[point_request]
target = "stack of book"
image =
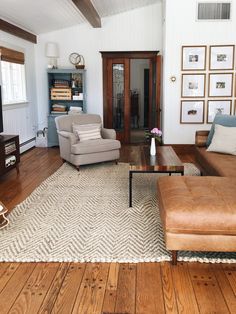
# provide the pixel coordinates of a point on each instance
(75, 110)
(59, 109)
(10, 147)
(61, 83)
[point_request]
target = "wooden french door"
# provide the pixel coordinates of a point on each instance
(117, 95)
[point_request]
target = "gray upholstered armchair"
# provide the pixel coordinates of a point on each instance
(79, 152)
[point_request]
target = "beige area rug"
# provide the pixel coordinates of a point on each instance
(84, 217)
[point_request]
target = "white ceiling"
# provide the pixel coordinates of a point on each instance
(44, 16)
(110, 7)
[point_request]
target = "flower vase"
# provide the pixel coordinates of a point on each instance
(153, 147)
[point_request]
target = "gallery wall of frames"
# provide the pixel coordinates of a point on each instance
(208, 83)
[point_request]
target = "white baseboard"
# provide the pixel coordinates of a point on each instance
(27, 145)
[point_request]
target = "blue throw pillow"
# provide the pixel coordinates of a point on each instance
(222, 119)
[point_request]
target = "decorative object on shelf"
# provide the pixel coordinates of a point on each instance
(154, 134)
(221, 57)
(75, 110)
(192, 111)
(77, 96)
(61, 93)
(193, 85)
(77, 80)
(218, 106)
(58, 108)
(52, 52)
(41, 138)
(194, 58)
(3, 220)
(77, 60)
(220, 85)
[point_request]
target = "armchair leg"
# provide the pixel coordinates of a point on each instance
(116, 162)
(174, 257)
(77, 167)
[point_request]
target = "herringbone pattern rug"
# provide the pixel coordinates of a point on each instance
(84, 217)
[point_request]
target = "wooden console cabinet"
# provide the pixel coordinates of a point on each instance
(9, 153)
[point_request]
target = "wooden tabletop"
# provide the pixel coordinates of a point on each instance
(165, 160)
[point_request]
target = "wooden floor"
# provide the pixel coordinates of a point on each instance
(144, 288)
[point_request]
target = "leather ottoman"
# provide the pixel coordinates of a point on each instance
(198, 213)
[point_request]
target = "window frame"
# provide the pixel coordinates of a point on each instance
(10, 80)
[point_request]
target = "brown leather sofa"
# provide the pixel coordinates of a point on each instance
(198, 213)
(213, 164)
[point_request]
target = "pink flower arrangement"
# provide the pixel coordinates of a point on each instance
(156, 133)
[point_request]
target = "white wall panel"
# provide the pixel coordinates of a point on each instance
(19, 122)
(182, 28)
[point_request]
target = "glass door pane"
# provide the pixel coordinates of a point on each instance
(118, 86)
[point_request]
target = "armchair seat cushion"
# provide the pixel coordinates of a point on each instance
(94, 146)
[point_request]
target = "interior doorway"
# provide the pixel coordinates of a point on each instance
(139, 99)
(131, 93)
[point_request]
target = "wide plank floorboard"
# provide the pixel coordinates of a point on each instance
(106, 288)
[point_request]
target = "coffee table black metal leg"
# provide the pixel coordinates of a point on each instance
(130, 189)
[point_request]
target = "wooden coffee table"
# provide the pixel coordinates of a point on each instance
(165, 161)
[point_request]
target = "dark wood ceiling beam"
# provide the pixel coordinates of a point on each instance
(89, 12)
(17, 31)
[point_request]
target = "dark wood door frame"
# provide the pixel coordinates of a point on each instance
(158, 89)
(155, 60)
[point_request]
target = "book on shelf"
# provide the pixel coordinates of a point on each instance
(61, 83)
(10, 147)
(58, 112)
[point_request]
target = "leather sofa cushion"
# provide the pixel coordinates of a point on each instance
(94, 146)
(198, 205)
(217, 164)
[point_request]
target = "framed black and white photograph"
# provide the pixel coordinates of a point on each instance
(192, 111)
(221, 57)
(193, 58)
(217, 106)
(193, 85)
(220, 85)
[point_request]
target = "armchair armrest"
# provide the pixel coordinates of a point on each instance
(68, 135)
(201, 138)
(108, 133)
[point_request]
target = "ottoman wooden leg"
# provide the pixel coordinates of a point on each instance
(174, 257)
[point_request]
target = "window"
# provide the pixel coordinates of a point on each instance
(13, 76)
(13, 83)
